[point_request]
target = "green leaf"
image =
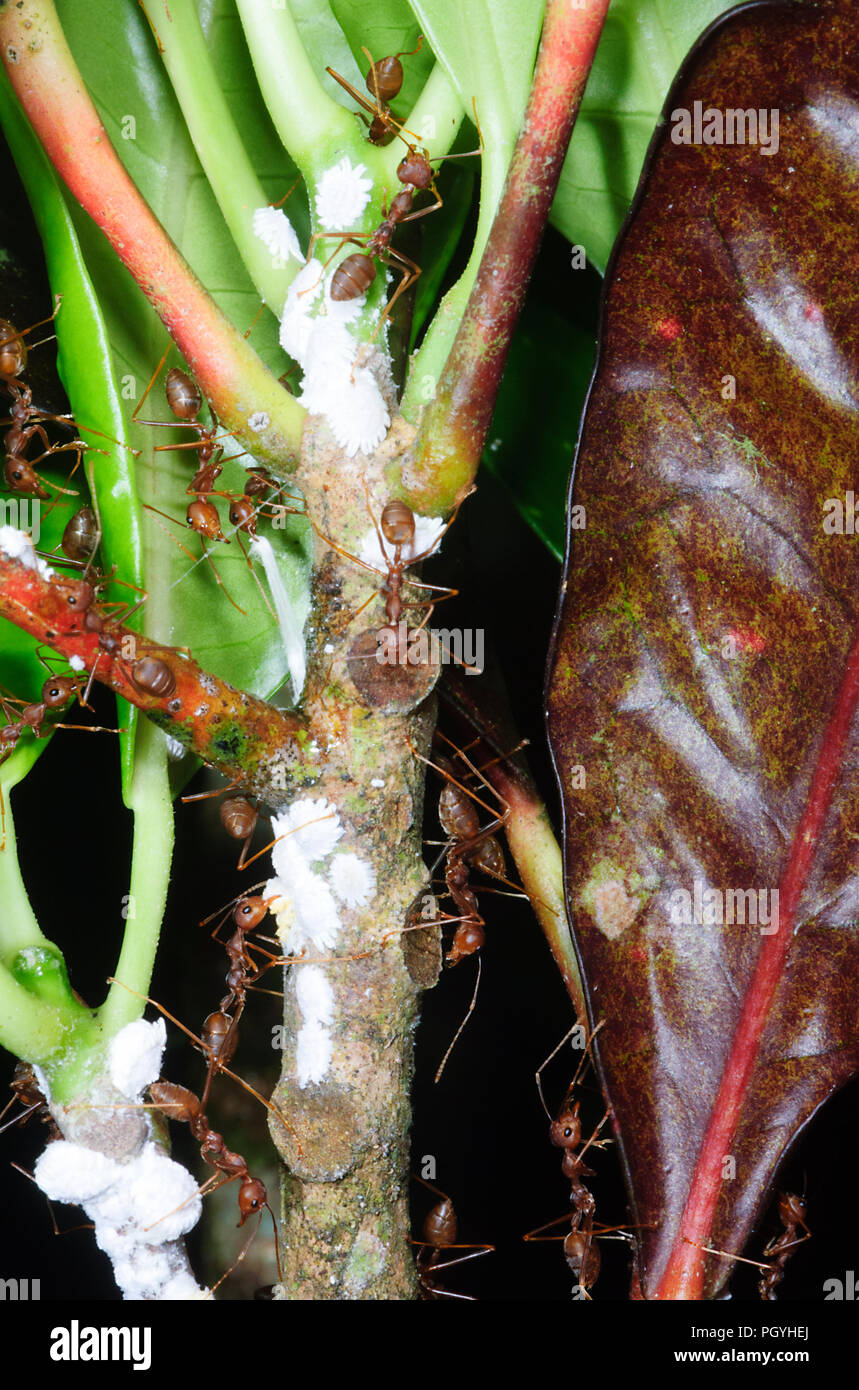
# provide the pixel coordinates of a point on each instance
(86, 368)
(550, 362)
(186, 603)
(384, 27)
(487, 48)
(642, 46)
(442, 235)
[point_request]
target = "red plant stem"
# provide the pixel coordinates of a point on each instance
(52, 93)
(684, 1274)
(245, 738)
(456, 424)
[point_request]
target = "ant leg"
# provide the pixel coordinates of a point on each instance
(424, 554)
(726, 1255)
(469, 1011)
(554, 1053)
(218, 791)
(273, 1109)
(410, 272)
(155, 373)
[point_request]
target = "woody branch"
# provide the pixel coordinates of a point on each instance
(241, 736)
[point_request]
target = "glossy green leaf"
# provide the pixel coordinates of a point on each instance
(642, 46)
(385, 27)
(86, 368)
(488, 49)
(186, 603)
(529, 449)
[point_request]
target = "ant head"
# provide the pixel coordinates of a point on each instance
(57, 691)
(242, 514)
(203, 518)
(416, 169)
(249, 912)
(77, 593)
(566, 1131)
(252, 1198)
(468, 938)
(184, 396)
(13, 350)
(21, 476)
(398, 523)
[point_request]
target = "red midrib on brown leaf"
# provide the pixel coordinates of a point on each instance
(684, 1274)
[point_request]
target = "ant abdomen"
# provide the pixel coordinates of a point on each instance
(13, 350)
(81, 534)
(398, 523)
(152, 676)
(353, 277)
(183, 394)
(238, 817)
(440, 1224)
(385, 78)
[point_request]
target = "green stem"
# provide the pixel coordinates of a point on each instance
(435, 118)
(306, 118)
(266, 419)
(150, 876)
(18, 925)
(455, 425)
(29, 1027)
(220, 149)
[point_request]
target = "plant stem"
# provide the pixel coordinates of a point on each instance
(309, 122)
(454, 428)
(242, 736)
(149, 799)
(435, 118)
(18, 925)
(29, 1027)
(246, 397)
(217, 142)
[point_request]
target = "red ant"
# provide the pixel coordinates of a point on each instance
(469, 845)
(218, 1043)
(439, 1232)
(26, 1091)
(582, 1255)
(13, 350)
(183, 1105)
(384, 82)
(27, 421)
(397, 528)
(354, 275)
(792, 1212)
(186, 401)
